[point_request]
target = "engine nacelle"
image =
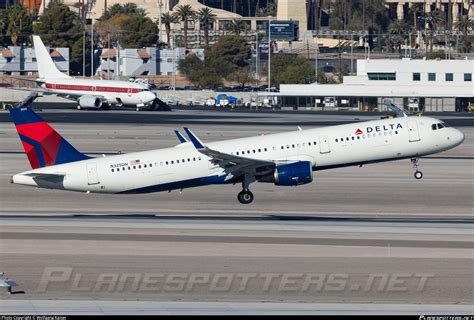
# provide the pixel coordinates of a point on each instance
(90, 102)
(291, 174)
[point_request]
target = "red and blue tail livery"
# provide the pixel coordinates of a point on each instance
(43, 145)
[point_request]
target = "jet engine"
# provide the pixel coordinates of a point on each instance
(291, 174)
(90, 102)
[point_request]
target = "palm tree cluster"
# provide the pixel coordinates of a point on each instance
(204, 16)
(186, 14)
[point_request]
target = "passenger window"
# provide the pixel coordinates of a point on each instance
(151, 165)
(177, 161)
(144, 166)
(128, 168)
(113, 170)
(140, 166)
(309, 143)
(134, 167)
(123, 168)
(172, 161)
(166, 162)
(194, 159)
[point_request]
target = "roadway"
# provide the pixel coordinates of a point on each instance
(355, 239)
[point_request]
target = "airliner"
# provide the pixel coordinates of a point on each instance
(284, 159)
(90, 93)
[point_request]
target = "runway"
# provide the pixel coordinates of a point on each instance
(353, 238)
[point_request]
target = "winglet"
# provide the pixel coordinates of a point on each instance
(194, 139)
(181, 138)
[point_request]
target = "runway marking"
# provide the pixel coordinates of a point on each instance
(237, 239)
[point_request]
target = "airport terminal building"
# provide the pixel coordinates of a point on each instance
(418, 85)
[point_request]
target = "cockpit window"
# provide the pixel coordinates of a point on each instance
(438, 125)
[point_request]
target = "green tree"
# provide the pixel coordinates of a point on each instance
(61, 27)
(128, 9)
(399, 32)
(289, 68)
(138, 32)
(224, 59)
(434, 20)
(206, 18)
(236, 27)
(242, 76)
(17, 24)
(464, 24)
(127, 24)
(229, 53)
(185, 13)
(168, 19)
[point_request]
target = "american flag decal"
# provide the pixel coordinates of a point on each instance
(134, 162)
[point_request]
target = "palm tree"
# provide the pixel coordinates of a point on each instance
(237, 27)
(464, 24)
(398, 30)
(206, 18)
(168, 19)
(434, 19)
(185, 13)
(415, 10)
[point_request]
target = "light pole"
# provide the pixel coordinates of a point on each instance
(257, 49)
(269, 55)
(92, 43)
(160, 6)
(316, 59)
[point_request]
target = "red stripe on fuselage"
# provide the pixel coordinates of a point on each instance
(80, 87)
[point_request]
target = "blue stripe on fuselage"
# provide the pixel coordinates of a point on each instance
(190, 183)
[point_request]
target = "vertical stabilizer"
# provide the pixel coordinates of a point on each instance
(46, 67)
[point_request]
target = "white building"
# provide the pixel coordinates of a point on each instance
(142, 62)
(430, 85)
(16, 60)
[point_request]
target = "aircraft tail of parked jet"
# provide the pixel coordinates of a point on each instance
(43, 145)
(46, 67)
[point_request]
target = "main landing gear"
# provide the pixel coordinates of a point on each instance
(245, 196)
(418, 174)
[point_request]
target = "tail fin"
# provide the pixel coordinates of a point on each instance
(46, 67)
(43, 145)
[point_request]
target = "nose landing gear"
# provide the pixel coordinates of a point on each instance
(418, 174)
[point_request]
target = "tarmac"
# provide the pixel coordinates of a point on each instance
(356, 240)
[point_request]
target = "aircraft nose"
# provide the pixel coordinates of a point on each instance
(459, 136)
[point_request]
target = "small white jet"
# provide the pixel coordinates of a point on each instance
(285, 159)
(90, 93)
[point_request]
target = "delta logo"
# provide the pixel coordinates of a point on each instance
(385, 127)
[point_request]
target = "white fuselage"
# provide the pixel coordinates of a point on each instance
(113, 92)
(184, 166)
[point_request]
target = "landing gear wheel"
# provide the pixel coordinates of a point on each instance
(245, 197)
(78, 107)
(418, 175)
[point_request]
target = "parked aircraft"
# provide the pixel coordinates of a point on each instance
(90, 93)
(285, 159)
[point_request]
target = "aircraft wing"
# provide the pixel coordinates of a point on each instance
(232, 164)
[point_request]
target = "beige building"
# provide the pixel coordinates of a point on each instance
(459, 7)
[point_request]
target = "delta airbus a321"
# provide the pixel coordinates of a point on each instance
(285, 159)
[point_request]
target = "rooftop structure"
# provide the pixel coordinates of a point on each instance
(438, 85)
